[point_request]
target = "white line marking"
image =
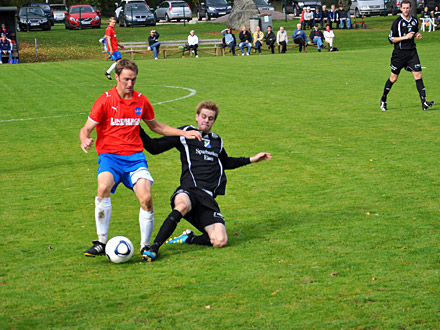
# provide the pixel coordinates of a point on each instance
(192, 92)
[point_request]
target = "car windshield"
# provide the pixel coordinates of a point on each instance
(41, 5)
(58, 7)
(84, 9)
(33, 10)
(137, 7)
(179, 4)
(260, 2)
(216, 3)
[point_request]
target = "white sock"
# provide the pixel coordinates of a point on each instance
(111, 68)
(146, 223)
(103, 213)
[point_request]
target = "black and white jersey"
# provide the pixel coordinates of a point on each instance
(400, 28)
(203, 162)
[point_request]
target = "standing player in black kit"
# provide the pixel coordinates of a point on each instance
(202, 179)
(402, 34)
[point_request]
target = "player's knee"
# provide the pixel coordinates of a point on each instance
(146, 202)
(103, 190)
(219, 242)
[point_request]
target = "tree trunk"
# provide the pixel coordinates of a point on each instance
(413, 8)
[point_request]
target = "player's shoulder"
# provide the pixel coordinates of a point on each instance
(187, 128)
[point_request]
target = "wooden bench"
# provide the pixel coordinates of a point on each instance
(169, 47)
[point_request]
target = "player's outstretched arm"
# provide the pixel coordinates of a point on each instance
(166, 130)
(84, 135)
(157, 146)
(260, 157)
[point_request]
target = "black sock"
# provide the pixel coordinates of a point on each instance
(166, 230)
(387, 89)
(421, 89)
(200, 240)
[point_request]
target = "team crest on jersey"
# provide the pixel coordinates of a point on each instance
(138, 111)
(206, 143)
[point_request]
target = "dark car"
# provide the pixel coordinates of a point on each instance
(295, 7)
(213, 8)
(263, 5)
(47, 11)
(136, 13)
(32, 18)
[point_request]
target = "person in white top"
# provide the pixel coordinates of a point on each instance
(329, 36)
(282, 39)
(192, 45)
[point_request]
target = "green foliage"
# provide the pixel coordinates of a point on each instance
(338, 231)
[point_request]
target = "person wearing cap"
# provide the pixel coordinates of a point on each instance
(316, 36)
(308, 18)
(324, 12)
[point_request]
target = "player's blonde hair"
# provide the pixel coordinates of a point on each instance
(209, 106)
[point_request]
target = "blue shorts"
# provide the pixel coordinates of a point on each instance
(125, 168)
(116, 55)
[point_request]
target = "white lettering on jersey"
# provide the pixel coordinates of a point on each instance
(125, 121)
(206, 152)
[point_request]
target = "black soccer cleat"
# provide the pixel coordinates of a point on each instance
(383, 105)
(145, 248)
(426, 105)
(109, 77)
(98, 249)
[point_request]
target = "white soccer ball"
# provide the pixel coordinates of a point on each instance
(119, 249)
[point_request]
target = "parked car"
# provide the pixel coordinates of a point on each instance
(32, 18)
(393, 6)
(169, 10)
(263, 5)
(360, 8)
(80, 16)
(136, 13)
(58, 12)
(119, 7)
(213, 8)
(295, 7)
(47, 11)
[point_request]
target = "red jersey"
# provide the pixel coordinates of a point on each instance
(110, 32)
(118, 122)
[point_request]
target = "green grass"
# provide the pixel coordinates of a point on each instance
(338, 231)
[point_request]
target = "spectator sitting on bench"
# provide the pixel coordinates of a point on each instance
(436, 15)
(300, 38)
(324, 12)
(426, 19)
(270, 39)
(329, 36)
(192, 45)
(316, 37)
(229, 40)
(308, 18)
(341, 17)
(258, 39)
(5, 31)
(332, 15)
(317, 17)
(282, 39)
(154, 43)
(5, 48)
(245, 41)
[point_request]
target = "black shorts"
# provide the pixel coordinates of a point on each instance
(204, 209)
(405, 59)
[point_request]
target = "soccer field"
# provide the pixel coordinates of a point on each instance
(339, 231)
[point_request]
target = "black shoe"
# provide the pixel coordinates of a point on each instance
(319, 50)
(145, 248)
(98, 249)
(109, 77)
(426, 105)
(383, 105)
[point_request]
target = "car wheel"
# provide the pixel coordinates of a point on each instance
(208, 17)
(155, 18)
(296, 11)
(357, 13)
(167, 18)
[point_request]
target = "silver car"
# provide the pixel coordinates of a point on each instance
(58, 12)
(169, 10)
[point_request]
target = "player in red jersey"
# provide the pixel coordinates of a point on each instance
(116, 115)
(112, 46)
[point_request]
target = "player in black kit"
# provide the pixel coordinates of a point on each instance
(202, 179)
(403, 31)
